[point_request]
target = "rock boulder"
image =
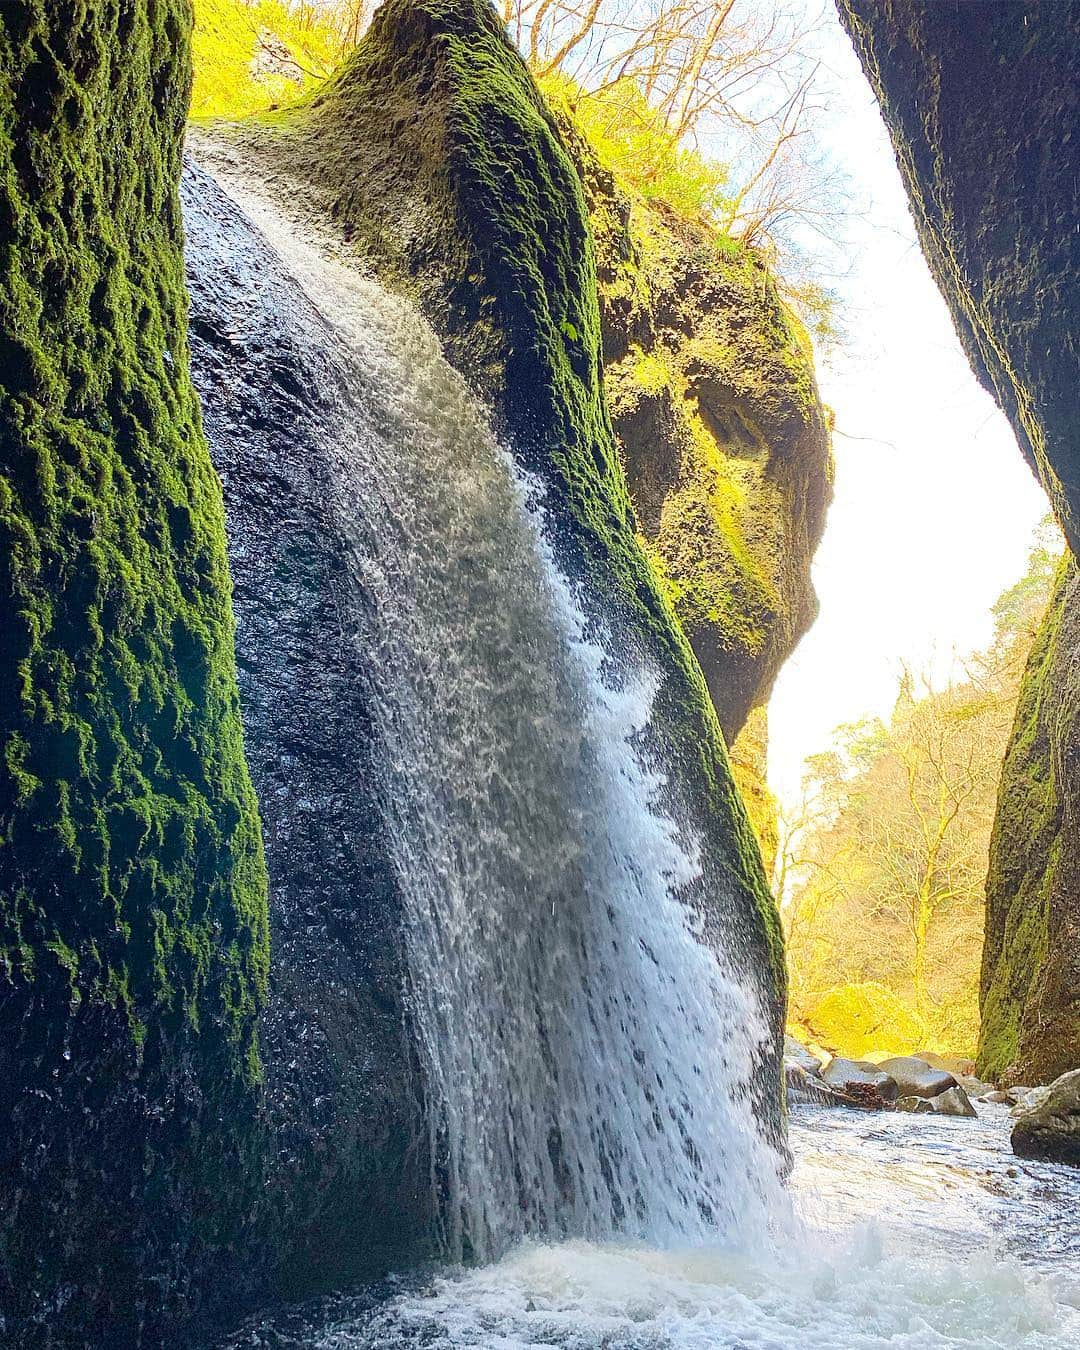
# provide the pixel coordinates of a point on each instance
(864, 1084)
(953, 1102)
(915, 1078)
(1050, 1127)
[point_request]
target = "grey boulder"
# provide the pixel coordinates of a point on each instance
(864, 1084)
(916, 1078)
(916, 1105)
(953, 1102)
(796, 1053)
(1050, 1127)
(807, 1089)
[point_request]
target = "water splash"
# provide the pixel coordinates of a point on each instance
(587, 1054)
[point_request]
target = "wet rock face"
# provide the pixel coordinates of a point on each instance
(1050, 1127)
(981, 104)
(346, 1183)
(1031, 958)
(435, 161)
(713, 401)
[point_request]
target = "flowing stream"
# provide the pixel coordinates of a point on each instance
(586, 1055)
(913, 1232)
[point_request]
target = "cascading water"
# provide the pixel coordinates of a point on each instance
(587, 1056)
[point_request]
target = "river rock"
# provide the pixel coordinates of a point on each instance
(916, 1105)
(1031, 1098)
(863, 1083)
(957, 1065)
(807, 1089)
(1050, 1127)
(915, 1077)
(953, 1101)
(975, 1088)
(797, 1053)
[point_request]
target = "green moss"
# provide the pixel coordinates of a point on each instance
(133, 919)
(125, 807)
(1029, 995)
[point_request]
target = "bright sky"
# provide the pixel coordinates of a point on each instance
(934, 508)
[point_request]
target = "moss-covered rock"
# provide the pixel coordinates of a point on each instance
(133, 932)
(1030, 987)
(710, 382)
(749, 763)
(981, 104)
(444, 169)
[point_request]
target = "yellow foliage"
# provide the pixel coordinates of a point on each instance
(633, 142)
(854, 1019)
(250, 55)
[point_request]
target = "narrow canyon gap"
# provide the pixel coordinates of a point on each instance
(981, 102)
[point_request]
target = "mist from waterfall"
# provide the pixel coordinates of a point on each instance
(586, 1054)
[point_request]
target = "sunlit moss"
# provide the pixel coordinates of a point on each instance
(1030, 1013)
(133, 909)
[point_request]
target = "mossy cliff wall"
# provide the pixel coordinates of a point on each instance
(1031, 958)
(981, 102)
(710, 382)
(442, 166)
(133, 934)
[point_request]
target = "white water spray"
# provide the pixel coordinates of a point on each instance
(587, 1055)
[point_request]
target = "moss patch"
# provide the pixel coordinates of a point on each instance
(711, 387)
(1030, 987)
(133, 938)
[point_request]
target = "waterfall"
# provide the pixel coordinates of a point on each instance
(586, 1053)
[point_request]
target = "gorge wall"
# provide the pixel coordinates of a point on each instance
(1030, 984)
(710, 382)
(133, 921)
(490, 235)
(981, 105)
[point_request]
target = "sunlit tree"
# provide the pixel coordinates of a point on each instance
(883, 863)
